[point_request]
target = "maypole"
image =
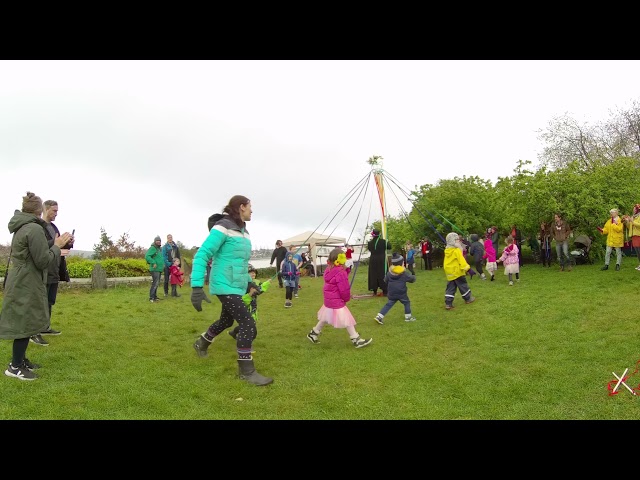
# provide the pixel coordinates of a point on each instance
(376, 169)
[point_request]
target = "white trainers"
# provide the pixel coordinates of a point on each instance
(511, 283)
(638, 267)
(379, 319)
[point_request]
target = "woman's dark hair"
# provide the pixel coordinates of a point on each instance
(233, 208)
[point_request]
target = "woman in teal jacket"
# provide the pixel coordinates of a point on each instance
(229, 245)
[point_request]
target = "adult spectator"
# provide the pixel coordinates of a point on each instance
(229, 244)
(279, 253)
(307, 264)
(614, 230)
(25, 310)
(517, 239)
(633, 228)
(544, 235)
(57, 272)
(561, 233)
(378, 247)
(170, 252)
(495, 236)
(426, 248)
(153, 256)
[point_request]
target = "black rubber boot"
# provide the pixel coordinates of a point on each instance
(247, 372)
(201, 346)
(617, 267)
(606, 267)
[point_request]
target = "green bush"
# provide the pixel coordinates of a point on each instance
(115, 267)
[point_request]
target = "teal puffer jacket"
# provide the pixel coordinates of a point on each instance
(230, 247)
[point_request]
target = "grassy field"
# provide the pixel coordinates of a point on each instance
(544, 348)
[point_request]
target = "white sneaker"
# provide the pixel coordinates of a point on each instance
(410, 319)
(638, 267)
(510, 283)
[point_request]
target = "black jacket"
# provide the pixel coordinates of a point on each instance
(57, 272)
(279, 254)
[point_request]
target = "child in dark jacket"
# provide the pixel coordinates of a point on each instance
(397, 278)
(476, 250)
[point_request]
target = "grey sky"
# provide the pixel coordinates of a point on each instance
(155, 147)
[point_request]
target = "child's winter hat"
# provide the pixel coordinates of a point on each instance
(452, 237)
(474, 237)
(397, 259)
(157, 238)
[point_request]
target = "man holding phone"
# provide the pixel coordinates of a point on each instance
(57, 272)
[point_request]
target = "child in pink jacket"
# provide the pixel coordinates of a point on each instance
(510, 260)
(337, 292)
(490, 254)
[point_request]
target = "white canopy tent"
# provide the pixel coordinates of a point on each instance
(317, 244)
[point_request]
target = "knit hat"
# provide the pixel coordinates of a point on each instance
(157, 239)
(375, 233)
(397, 259)
(473, 237)
(452, 237)
(31, 203)
(613, 210)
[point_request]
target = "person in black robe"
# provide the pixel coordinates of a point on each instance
(378, 247)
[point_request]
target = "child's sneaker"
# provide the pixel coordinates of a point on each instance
(492, 278)
(20, 372)
(471, 300)
(409, 318)
(511, 283)
(287, 304)
(483, 276)
(379, 319)
(313, 336)
(449, 307)
(361, 342)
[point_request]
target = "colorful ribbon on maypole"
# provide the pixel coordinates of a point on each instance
(376, 168)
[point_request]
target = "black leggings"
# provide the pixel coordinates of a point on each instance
(289, 293)
(233, 308)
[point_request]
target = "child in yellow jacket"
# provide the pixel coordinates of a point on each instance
(455, 267)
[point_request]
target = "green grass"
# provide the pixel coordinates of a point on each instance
(542, 349)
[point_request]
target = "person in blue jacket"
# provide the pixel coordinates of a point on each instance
(229, 245)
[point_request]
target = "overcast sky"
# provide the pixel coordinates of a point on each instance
(154, 147)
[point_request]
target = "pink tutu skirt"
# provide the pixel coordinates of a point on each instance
(337, 317)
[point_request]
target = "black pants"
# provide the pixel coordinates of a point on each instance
(167, 276)
(459, 283)
(19, 351)
(174, 290)
(52, 293)
(426, 259)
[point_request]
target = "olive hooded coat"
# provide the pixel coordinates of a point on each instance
(25, 309)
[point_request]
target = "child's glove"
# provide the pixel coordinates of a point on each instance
(265, 285)
(197, 295)
(246, 298)
(297, 274)
(471, 272)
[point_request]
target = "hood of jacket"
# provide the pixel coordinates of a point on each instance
(330, 273)
(396, 270)
(20, 219)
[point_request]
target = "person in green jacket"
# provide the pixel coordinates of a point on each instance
(25, 309)
(229, 245)
(156, 266)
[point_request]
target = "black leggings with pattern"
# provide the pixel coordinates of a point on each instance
(233, 308)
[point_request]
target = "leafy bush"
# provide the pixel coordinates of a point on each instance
(115, 267)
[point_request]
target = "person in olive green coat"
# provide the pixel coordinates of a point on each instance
(25, 309)
(156, 267)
